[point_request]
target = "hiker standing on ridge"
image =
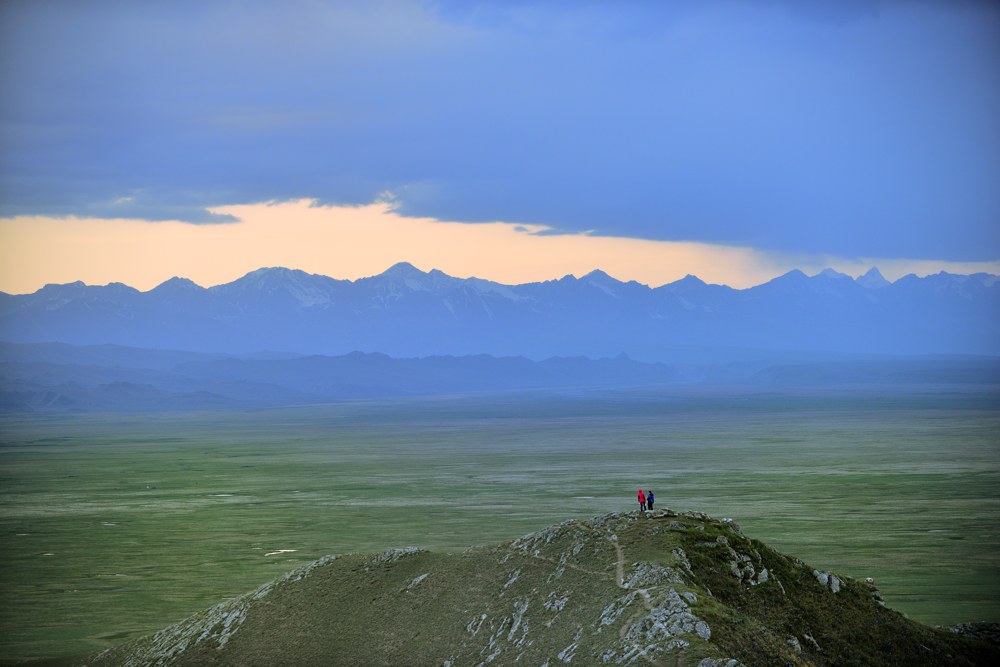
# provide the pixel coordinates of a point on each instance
(649, 499)
(642, 501)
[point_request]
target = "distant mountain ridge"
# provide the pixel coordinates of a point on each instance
(110, 378)
(406, 312)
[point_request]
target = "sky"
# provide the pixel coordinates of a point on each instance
(514, 141)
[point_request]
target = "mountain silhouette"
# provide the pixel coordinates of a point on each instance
(406, 312)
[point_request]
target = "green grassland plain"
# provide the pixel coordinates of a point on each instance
(116, 525)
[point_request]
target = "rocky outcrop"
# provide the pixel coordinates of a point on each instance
(623, 589)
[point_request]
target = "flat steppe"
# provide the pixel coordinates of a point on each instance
(117, 525)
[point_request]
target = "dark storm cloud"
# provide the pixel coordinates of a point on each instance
(853, 128)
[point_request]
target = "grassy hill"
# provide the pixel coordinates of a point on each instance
(639, 588)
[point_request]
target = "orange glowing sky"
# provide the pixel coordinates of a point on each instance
(353, 242)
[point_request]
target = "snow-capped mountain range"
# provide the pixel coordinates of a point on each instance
(406, 312)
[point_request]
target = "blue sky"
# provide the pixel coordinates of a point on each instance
(850, 129)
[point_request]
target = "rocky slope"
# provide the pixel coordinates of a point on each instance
(657, 588)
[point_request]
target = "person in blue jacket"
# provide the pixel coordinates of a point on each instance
(649, 499)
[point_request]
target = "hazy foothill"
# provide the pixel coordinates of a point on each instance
(143, 484)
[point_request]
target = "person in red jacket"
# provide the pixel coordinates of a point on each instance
(642, 500)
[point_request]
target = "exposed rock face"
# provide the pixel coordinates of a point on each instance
(988, 632)
(623, 589)
(828, 580)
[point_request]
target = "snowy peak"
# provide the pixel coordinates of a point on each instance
(402, 270)
(687, 282)
(176, 285)
(830, 274)
(488, 287)
(297, 287)
(873, 279)
(600, 277)
(275, 275)
(795, 275)
(603, 282)
(403, 276)
(57, 295)
(76, 287)
(408, 312)
(793, 280)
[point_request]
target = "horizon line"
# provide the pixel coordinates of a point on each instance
(355, 242)
(403, 264)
